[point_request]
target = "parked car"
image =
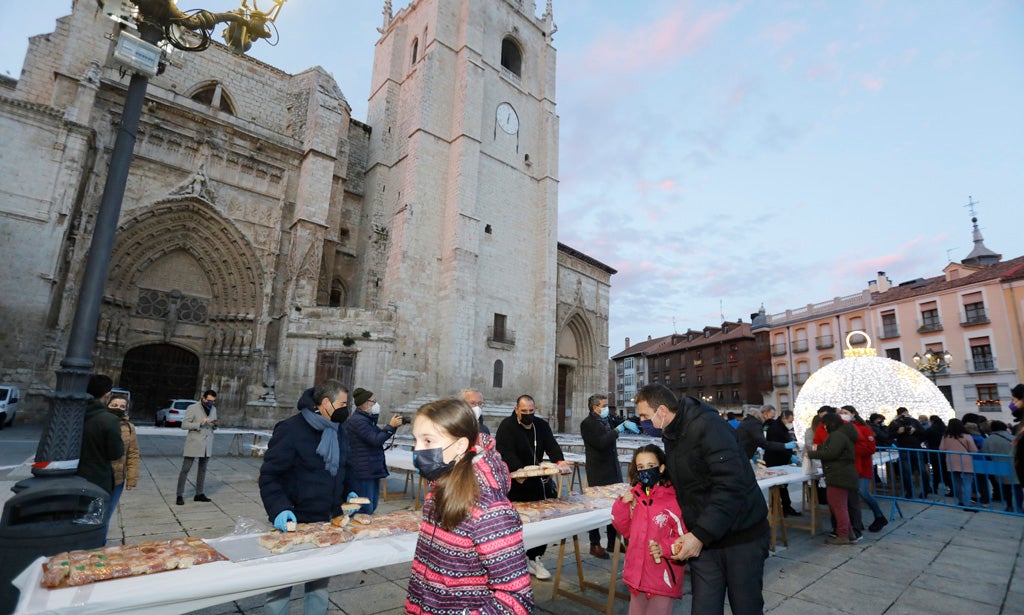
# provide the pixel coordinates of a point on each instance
(174, 413)
(9, 398)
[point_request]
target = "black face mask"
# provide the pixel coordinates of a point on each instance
(526, 419)
(649, 477)
(339, 415)
(430, 463)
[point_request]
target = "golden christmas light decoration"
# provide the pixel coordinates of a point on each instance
(870, 384)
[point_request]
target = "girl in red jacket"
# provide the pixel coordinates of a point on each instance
(648, 517)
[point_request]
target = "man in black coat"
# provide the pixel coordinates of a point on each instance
(779, 432)
(603, 466)
(726, 517)
(750, 434)
(522, 440)
(907, 432)
(306, 476)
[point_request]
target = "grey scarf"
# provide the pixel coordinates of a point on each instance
(328, 448)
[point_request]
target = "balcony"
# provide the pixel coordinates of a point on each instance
(929, 326)
(801, 377)
(975, 318)
(824, 341)
(780, 381)
(889, 332)
(799, 345)
(983, 364)
(717, 360)
(778, 350)
(501, 338)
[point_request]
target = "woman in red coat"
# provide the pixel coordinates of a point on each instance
(648, 516)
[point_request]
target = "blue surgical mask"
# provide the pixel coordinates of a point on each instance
(604, 412)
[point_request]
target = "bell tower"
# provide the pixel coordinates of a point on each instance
(462, 198)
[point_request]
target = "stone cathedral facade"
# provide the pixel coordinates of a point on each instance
(268, 240)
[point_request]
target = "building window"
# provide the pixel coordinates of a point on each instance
(735, 396)
(894, 354)
(627, 363)
(511, 56)
(825, 360)
(889, 324)
(499, 374)
(415, 50)
(335, 365)
(668, 362)
(974, 309)
(857, 324)
(930, 317)
(981, 354)
(783, 402)
(337, 297)
(988, 397)
(213, 95)
(500, 333)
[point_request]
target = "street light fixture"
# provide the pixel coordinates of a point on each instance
(932, 362)
(159, 24)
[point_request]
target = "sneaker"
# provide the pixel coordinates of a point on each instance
(836, 540)
(855, 538)
(537, 569)
(201, 497)
(833, 534)
(180, 501)
(878, 524)
(598, 552)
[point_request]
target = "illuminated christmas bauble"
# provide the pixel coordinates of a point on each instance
(870, 384)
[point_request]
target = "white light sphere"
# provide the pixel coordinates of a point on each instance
(870, 384)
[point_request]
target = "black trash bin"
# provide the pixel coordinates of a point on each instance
(51, 516)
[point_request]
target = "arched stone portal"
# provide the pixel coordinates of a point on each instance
(155, 373)
(575, 350)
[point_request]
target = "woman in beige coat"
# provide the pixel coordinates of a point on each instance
(126, 469)
(957, 440)
(200, 421)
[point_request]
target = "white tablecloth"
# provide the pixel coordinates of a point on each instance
(180, 591)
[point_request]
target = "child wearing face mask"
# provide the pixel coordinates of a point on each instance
(470, 551)
(648, 516)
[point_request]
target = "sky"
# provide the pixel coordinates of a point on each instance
(727, 155)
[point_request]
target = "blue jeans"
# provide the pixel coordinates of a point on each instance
(314, 603)
(865, 494)
(114, 497)
(368, 488)
(963, 487)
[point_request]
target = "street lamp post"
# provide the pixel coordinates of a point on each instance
(38, 521)
(932, 362)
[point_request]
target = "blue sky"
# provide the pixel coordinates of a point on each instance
(722, 155)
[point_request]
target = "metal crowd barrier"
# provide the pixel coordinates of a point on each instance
(924, 475)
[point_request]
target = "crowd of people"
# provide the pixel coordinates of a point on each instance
(692, 505)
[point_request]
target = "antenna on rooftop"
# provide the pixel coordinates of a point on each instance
(948, 257)
(721, 311)
(674, 325)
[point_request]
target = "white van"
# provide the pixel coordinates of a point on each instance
(9, 398)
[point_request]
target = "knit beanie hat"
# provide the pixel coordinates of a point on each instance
(359, 396)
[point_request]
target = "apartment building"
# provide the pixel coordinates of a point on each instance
(974, 312)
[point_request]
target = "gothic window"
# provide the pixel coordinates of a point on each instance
(160, 305)
(415, 50)
(499, 372)
(337, 298)
(214, 96)
(511, 56)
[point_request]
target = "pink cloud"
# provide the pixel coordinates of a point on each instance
(672, 36)
(665, 185)
(872, 83)
(819, 71)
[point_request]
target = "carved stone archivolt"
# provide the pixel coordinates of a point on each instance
(233, 271)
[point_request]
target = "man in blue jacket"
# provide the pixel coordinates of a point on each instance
(367, 447)
(305, 477)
